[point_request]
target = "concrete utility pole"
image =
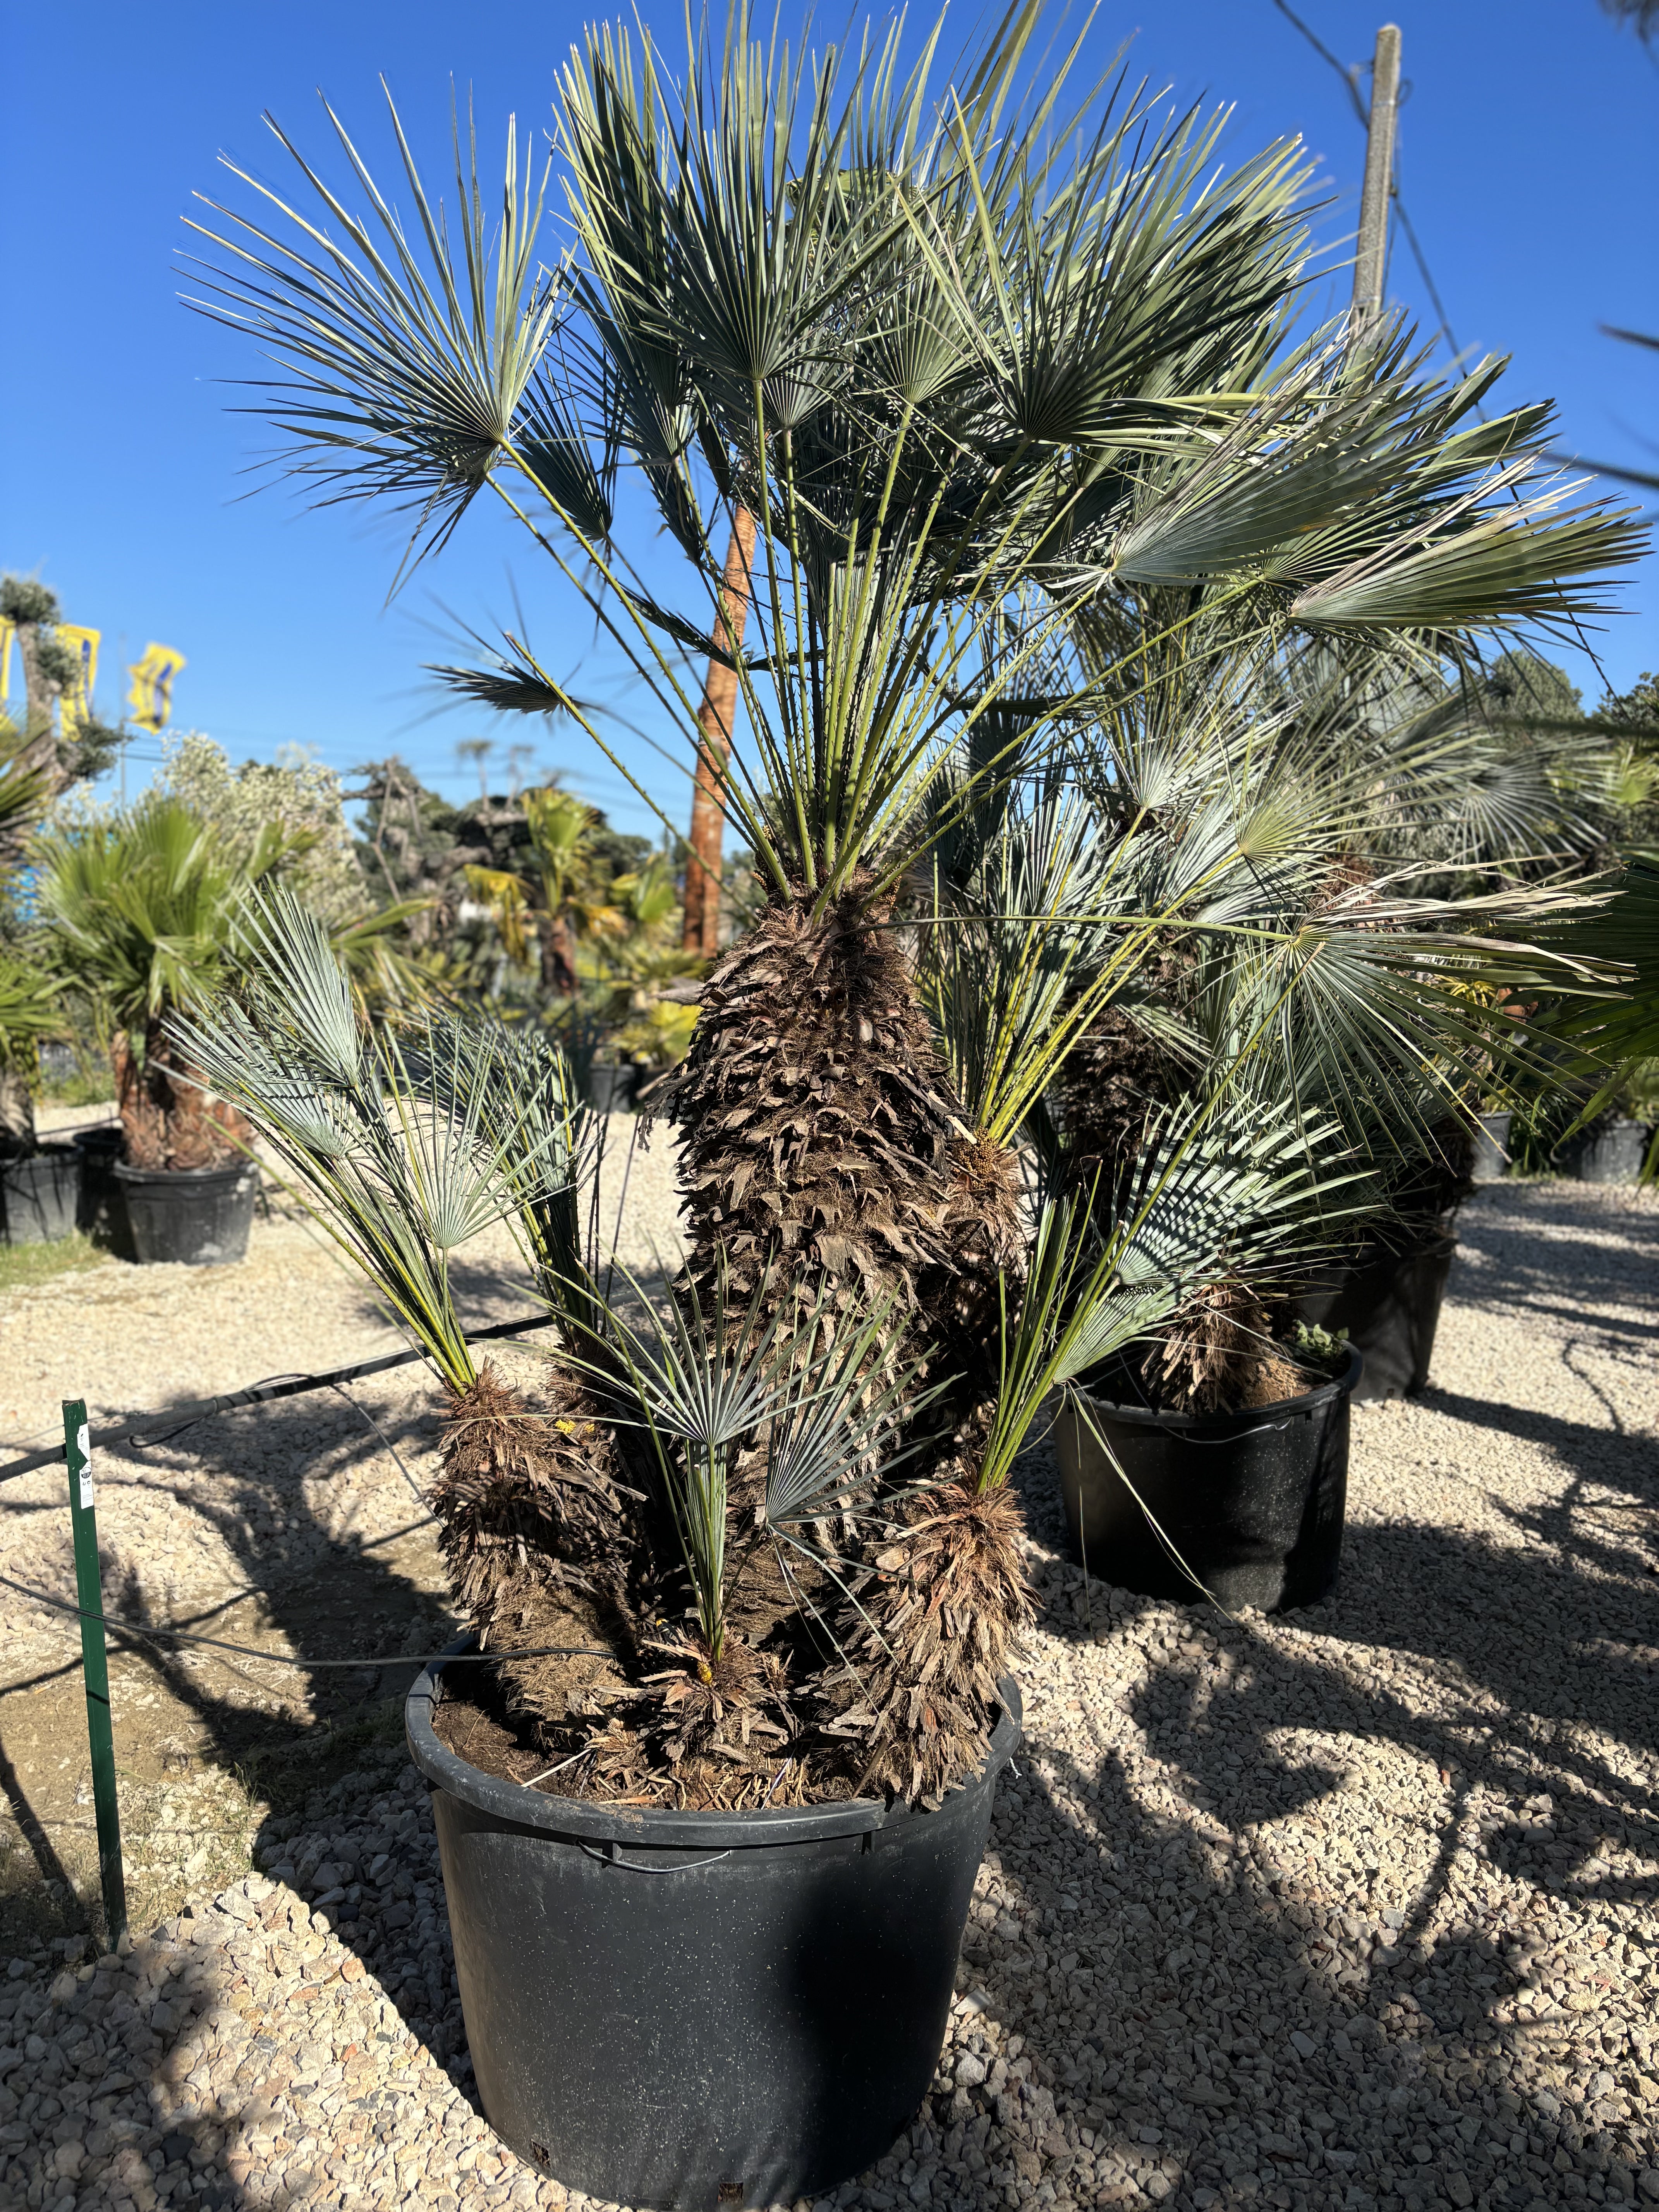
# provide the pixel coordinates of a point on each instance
(1371, 255)
(715, 718)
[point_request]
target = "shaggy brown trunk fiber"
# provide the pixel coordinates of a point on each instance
(819, 1129)
(1115, 1077)
(944, 1616)
(1217, 1356)
(167, 1121)
(536, 1521)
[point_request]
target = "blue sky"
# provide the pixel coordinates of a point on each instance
(1529, 165)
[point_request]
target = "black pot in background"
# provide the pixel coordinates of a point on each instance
(1611, 1152)
(1253, 1502)
(695, 2009)
(1491, 1162)
(40, 1195)
(1388, 1305)
(611, 1085)
(194, 1217)
(102, 1213)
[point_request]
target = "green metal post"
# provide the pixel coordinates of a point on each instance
(94, 1666)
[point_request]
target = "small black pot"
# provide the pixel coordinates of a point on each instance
(193, 1216)
(612, 1087)
(1613, 1152)
(40, 1195)
(1251, 1503)
(1388, 1304)
(697, 2009)
(1490, 1162)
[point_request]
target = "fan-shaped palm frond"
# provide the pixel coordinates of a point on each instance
(766, 255)
(397, 1154)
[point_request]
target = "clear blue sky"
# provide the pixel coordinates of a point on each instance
(1530, 163)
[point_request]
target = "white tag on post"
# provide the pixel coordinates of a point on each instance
(83, 1445)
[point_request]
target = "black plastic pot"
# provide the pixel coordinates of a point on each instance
(698, 2010)
(1252, 1502)
(194, 1217)
(40, 1195)
(102, 1210)
(1613, 1152)
(1388, 1305)
(1491, 1162)
(612, 1087)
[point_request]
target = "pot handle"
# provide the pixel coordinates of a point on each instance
(612, 1857)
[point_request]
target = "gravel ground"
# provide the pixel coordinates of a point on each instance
(1352, 1909)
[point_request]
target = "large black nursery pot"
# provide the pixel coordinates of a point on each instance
(194, 1217)
(40, 1195)
(612, 1086)
(102, 1210)
(1388, 1305)
(1609, 1152)
(1245, 1508)
(700, 2009)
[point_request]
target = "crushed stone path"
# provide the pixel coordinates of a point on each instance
(1352, 1909)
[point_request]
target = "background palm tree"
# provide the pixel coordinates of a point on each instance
(141, 910)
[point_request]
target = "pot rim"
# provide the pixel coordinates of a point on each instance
(197, 1176)
(649, 1826)
(1250, 1417)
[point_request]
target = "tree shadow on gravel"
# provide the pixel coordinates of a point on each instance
(300, 1580)
(1589, 1255)
(1269, 1990)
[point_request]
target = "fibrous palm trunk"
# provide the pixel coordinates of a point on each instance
(168, 1121)
(819, 1133)
(823, 1146)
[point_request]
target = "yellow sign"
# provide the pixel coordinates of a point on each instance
(77, 692)
(150, 698)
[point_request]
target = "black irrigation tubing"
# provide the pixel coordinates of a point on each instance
(156, 1428)
(282, 1659)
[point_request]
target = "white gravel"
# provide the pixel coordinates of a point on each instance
(1350, 1908)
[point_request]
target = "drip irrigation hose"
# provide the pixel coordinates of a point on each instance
(148, 1429)
(282, 1659)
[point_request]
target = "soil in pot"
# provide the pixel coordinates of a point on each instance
(1246, 1507)
(192, 1217)
(699, 2009)
(1387, 1304)
(40, 1195)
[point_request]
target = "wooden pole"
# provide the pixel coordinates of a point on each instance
(1371, 254)
(716, 719)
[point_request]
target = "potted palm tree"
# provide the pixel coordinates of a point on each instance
(140, 910)
(745, 1570)
(1236, 795)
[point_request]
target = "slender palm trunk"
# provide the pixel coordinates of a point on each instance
(715, 720)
